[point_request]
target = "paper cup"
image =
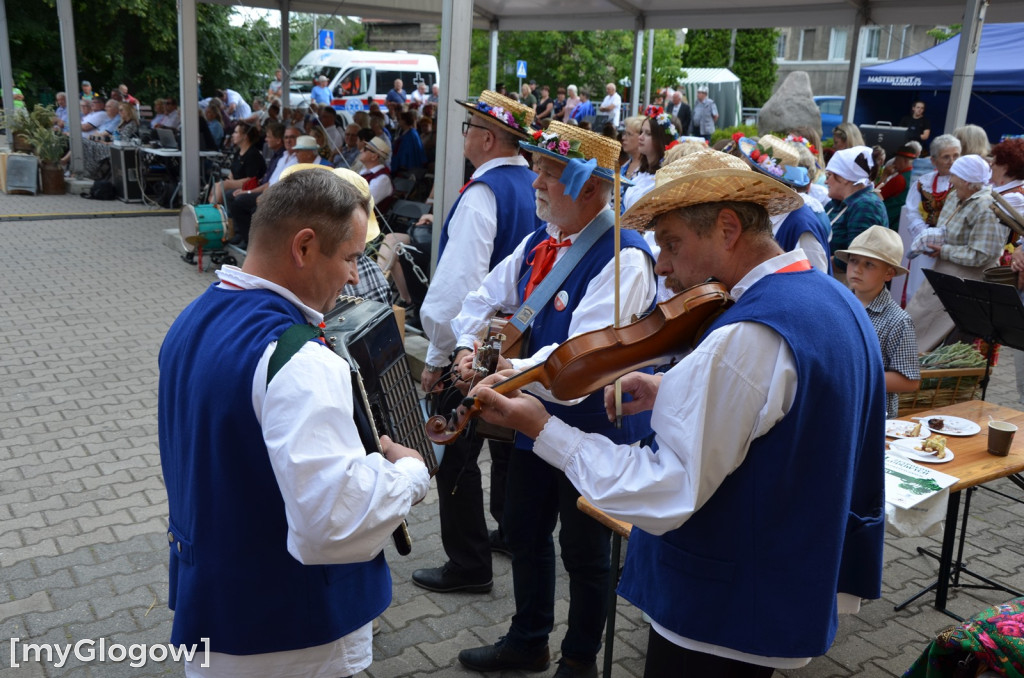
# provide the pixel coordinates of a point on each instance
(1000, 436)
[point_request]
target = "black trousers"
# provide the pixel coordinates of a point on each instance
(464, 532)
(240, 210)
(668, 660)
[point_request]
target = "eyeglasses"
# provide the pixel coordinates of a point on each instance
(467, 124)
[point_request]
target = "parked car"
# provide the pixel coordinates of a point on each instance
(831, 108)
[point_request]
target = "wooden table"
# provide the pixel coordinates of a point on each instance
(973, 465)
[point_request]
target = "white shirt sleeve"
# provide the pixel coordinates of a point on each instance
(708, 410)
(911, 214)
(461, 269)
(341, 503)
(816, 254)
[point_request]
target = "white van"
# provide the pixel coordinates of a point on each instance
(357, 78)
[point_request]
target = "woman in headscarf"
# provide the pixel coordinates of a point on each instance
(972, 239)
(921, 210)
(854, 206)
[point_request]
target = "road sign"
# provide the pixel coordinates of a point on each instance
(520, 69)
(326, 39)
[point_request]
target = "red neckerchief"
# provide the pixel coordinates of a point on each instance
(541, 259)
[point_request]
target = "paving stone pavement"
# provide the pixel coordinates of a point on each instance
(85, 305)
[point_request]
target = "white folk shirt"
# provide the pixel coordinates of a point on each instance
(499, 292)
(341, 503)
(465, 262)
(699, 443)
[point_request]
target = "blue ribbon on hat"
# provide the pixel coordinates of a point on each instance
(575, 174)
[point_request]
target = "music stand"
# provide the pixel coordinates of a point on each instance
(991, 311)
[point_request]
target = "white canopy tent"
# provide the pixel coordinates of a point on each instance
(458, 17)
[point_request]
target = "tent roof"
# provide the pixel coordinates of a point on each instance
(708, 75)
(999, 67)
(534, 15)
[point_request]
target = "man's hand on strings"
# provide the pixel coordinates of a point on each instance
(640, 386)
(515, 409)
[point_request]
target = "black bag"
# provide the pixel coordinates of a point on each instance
(101, 190)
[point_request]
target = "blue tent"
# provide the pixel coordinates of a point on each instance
(887, 91)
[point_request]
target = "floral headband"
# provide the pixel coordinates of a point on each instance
(797, 139)
(577, 170)
(513, 120)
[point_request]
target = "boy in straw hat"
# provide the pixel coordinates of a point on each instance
(575, 175)
(873, 259)
(764, 499)
(492, 215)
(252, 457)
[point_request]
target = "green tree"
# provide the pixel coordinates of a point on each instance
(753, 62)
(944, 33)
(587, 59)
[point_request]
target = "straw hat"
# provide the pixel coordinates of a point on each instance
(381, 147)
(306, 143)
(709, 176)
(877, 242)
(372, 227)
(578, 143)
(508, 113)
(783, 162)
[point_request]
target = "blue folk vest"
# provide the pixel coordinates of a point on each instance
(804, 220)
(757, 568)
(512, 186)
(232, 579)
(551, 326)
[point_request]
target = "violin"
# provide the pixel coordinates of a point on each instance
(590, 361)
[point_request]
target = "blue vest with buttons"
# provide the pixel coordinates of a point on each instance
(758, 566)
(512, 186)
(232, 579)
(551, 326)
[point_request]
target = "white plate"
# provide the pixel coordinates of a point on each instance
(906, 448)
(953, 426)
(894, 428)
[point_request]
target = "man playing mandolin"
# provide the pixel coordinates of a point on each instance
(575, 174)
(761, 514)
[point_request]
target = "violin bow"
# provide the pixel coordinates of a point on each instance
(617, 319)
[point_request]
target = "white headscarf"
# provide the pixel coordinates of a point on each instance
(972, 168)
(844, 163)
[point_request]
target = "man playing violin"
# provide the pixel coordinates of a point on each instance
(761, 514)
(575, 174)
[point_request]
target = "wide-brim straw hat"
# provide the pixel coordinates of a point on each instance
(507, 113)
(372, 227)
(709, 176)
(591, 145)
(381, 147)
(877, 242)
(787, 160)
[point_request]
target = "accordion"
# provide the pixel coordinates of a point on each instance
(365, 333)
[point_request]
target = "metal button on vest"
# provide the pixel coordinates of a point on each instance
(179, 547)
(170, 537)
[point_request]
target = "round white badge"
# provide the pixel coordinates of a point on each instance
(561, 300)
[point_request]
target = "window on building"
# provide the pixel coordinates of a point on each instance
(806, 50)
(780, 45)
(837, 44)
(872, 42)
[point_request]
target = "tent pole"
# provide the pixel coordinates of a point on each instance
(638, 52)
(650, 67)
(492, 66)
(456, 36)
(188, 101)
(966, 60)
(286, 55)
(853, 75)
(72, 85)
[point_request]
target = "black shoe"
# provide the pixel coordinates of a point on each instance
(501, 657)
(498, 544)
(446, 579)
(575, 670)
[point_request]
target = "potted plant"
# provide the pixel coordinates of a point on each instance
(49, 146)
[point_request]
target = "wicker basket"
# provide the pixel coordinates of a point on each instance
(943, 387)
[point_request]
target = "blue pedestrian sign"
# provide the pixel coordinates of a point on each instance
(520, 69)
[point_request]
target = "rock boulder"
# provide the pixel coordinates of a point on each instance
(791, 106)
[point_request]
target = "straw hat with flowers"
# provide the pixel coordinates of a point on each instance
(568, 142)
(709, 176)
(509, 113)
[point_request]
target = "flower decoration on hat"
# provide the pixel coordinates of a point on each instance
(568, 148)
(510, 118)
(796, 138)
(766, 160)
(653, 111)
